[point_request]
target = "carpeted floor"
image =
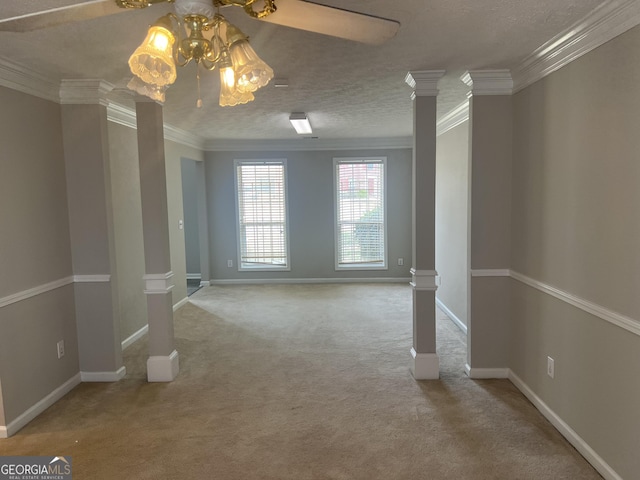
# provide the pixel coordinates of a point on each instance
(301, 382)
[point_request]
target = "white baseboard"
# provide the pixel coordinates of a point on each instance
(567, 432)
(260, 281)
(103, 376)
(193, 276)
(135, 337)
(486, 373)
(181, 303)
(163, 368)
(425, 366)
(205, 283)
(452, 316)
(39, 407)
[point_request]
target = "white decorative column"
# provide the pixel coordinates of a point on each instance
(88, 175)
(490, 124)
(424, 364)
(163, 364)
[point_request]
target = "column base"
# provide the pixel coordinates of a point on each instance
(425, 366)
(163, 368)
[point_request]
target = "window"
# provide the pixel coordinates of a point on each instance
(360, 213)
(262, 215)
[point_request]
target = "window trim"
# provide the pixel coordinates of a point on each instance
(360, 266)
(262, 268)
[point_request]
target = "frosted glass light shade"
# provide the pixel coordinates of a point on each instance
(154, 92)
(251, 71)
(153, 60)
(230, 96)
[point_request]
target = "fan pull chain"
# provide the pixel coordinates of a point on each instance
(199, 102)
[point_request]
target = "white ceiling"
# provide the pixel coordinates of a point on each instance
(348, 90)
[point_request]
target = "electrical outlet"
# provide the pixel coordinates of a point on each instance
(229, 263)
(61, 349)
(551, 367)
(400, 262)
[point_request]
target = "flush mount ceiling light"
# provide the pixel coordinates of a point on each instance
(301, 123)
(197, 32)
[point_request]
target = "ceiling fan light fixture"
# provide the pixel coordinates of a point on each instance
(154, 92)
(153, 60)
(252, 72)
(300, 122)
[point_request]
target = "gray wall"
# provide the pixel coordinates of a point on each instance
(491, 140)
(127, 218)
(311, 214)
(452, 219)
(576, 226)
(174, 153)
(190, 205)
(35, 246)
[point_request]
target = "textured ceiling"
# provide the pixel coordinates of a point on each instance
(348, 90)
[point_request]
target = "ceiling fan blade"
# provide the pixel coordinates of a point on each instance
(332, 21)
(58, 16)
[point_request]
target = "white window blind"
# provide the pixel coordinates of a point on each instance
(360, 213)
(262, 218)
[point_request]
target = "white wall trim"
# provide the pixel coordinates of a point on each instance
(567, 432)
(181, 303)
(457, 116)
(485, 373)
(158, 283)
(84, 92)
(607, 21)
(488, 82)
(604, 313)
(32, 292)
(452, 316)
(193, 276)
(425, 366)
(490, 272)
(424, 82)
(205, 283)
(183, 137)
(23, 79)
(126, 343)
(424, 279)
(91, 278)
(163, 368)
(307, 144)
(103, 376)
(39, 407)
(285, 281)
(121, 115)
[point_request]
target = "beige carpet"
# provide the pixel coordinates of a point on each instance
(301, 382)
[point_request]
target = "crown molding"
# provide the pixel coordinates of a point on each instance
(308, 144)
(455, 117)
(23, 79)
(609, 20)
(183, 137)
(85, 92)
(122, 115)
(424, 82)
(488, 82)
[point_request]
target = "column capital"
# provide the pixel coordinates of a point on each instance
(424, 279)
(488, 82)
(424, 82)
(84, 92)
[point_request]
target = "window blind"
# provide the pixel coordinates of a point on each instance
(360, 198)
(262, 214)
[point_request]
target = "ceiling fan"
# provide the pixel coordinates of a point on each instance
(300, 14)
(198, 32)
